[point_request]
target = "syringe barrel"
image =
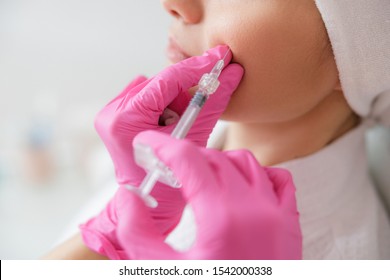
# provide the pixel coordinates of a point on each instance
(188, 118)
(207, 85)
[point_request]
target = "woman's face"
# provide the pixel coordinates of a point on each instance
(282, 45)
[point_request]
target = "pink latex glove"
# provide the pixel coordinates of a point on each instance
(242, 210)
(138, 108)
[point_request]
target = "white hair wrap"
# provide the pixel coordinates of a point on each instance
(359, 31)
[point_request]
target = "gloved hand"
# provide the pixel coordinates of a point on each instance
(242, 210)
(140, 107)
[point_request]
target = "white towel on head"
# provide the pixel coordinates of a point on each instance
(359, 31)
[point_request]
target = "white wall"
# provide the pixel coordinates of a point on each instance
(60, 62)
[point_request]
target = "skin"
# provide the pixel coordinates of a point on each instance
(73, 249)
(289, 103)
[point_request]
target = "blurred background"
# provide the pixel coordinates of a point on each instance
(60, 62)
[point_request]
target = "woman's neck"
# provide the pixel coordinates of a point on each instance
(274, 143)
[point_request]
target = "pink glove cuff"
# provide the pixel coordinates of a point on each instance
(97, 242)
(99, 233)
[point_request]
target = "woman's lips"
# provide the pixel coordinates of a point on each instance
(174, 52)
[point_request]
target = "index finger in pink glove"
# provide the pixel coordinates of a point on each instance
(170, 87)
(179, 77)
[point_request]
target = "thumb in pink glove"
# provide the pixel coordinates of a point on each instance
(242, 210)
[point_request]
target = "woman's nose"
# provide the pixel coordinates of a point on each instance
(189, 11)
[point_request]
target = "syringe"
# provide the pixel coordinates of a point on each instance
(208, 84)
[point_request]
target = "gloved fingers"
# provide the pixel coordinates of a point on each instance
(137, 232)
(187, 161)
(105, 117)
(178, 78)
(229, 79)
(216, 104)
(180, 103)
(170, 207)
(255, 175)
(197, 172)
(284, 188)
(187, 73)
(168, 117)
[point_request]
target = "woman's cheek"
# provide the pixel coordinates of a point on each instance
(257, 49)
